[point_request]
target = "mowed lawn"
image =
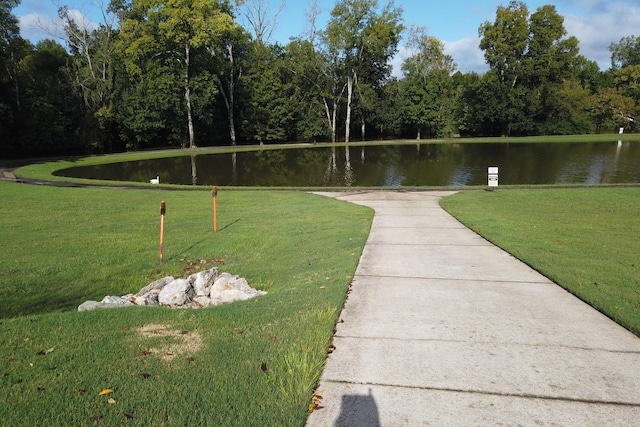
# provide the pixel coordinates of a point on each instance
(251, 363)
(247, 363)
(585, 239)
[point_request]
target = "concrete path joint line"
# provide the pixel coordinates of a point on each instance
(490, 393)
(430, 245)
(449, 279)
(480, 342)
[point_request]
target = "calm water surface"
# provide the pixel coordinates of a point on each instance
(389, 165)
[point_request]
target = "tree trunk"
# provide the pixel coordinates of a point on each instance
(194, 171)
(331, 117)
(187, 96)
(230, 99)
(363, 129)
(350, 82)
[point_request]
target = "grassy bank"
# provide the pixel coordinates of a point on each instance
(248, 363)
(586, 240)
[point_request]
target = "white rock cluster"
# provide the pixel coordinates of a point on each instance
(203, 289)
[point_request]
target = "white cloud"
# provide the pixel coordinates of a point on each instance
(602, 24)
(36, 27)
(466, 54)
(398, 59)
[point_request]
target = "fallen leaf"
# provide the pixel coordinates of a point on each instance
(105, 391)
(27, 339)
(315, 402)
(41, 389)
(111, 401)
(144, 353)
(145, 375)
(81, 390)
(190, 359)
(263, 367)
(44, 352)
(128, 416)
(273, 338)
(184, 332)
(166, 416)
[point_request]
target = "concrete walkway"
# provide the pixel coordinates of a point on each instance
(442, 328)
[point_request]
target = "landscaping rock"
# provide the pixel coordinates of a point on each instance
(228, 288)
(92, 305)
(123, 300)
(203, 280)
(149, 298)
(176, 293)
(202, 301)
(157, 285)
(203, 289)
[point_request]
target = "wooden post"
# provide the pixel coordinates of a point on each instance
(214, 194)
(163, 210)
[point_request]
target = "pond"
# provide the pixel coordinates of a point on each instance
(394, 165)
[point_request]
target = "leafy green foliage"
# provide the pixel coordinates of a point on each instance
(185, 73)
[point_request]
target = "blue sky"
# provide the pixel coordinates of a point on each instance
(596, 23)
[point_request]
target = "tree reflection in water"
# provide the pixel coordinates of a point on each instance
(444, 164)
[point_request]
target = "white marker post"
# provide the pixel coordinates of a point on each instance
(493, 176)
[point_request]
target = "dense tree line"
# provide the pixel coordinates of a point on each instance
(186, 73)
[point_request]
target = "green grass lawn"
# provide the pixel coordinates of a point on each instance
(587, 240)
(247, 363)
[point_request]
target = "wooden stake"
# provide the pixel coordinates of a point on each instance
(214, 194)
(163, 210)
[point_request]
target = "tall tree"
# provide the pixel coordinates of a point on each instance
(157, 34)
(504, 42)
(363, 39)
(259, 18)
(529, 59)
(54, 123)
(426, 89)
(93, 73)
(625, 52)
(306, 68)
(269, 113)
(230, 57)
(13, 49)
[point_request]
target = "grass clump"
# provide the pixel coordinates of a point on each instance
(248, 363)
(584, 239)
